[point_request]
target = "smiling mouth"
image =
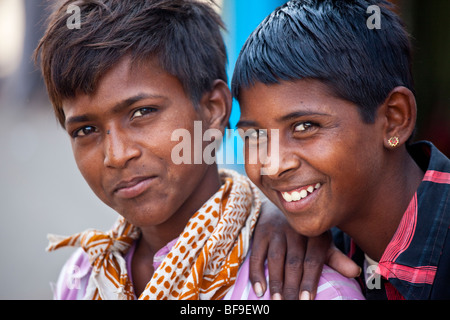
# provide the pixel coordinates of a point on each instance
(300, 193)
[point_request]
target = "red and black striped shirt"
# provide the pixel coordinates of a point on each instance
(416, 263)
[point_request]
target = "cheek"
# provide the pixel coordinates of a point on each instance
(351, 168)
(253, 166)
(253, 171)
(86, 163)
(90, 165)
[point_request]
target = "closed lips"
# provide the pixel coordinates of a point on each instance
(130, 184)
(133, 188)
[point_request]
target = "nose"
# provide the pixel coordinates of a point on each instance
(119, 149)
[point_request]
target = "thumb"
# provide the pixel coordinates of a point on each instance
(343, 264)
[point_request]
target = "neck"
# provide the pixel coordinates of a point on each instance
(378, 221)
(153, 238)
(157, 236)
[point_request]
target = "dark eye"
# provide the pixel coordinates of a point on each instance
(87, 130)
(142, 112)
(262, 134)
(303, 126)
(256, 136)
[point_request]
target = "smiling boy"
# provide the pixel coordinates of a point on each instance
(134, 73)
(340, 96)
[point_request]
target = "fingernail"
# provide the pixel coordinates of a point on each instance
(360, 271)
(305, 295)
(276, 296)
(258, 289)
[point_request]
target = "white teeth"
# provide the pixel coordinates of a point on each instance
(287, 197)
(296, 195)
(303, 194)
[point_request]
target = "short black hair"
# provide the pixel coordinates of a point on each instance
(329, 40)
(185, 35)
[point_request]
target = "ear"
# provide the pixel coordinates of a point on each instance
(216, 105)
(400, 112)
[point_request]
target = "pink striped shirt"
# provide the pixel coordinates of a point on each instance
(73, 279)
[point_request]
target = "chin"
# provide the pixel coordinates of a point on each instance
(308, 228)
(143, 216)
(310, 233)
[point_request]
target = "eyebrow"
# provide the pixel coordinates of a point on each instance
(298, 114)
(289, 116)
(118, 108)
(246, 123)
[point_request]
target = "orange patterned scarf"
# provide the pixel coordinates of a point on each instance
(203, 263)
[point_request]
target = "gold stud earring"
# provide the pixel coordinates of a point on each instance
(394, 141)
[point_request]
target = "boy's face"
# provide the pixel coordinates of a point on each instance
(121, 139)
(328, 157)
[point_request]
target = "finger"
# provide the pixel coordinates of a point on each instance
(293, 271)
(257, 267)
(312, 270)
(316, 255)
(275, 261)
(263, 234)
(343, 264)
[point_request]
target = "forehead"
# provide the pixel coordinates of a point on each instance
(125, 80)
(273, 98)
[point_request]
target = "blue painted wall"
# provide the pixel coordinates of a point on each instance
(241, 17)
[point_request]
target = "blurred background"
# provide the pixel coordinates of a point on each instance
(41, 190)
